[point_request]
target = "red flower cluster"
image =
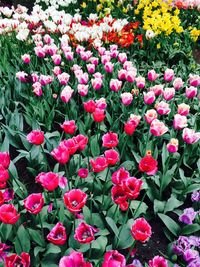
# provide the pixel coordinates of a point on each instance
(16, 260)
(98, 112)
(75, 259)
(125, 188)
(141, 230)
(113, 258)
(148, 164)
(8, 214)
(4, 164)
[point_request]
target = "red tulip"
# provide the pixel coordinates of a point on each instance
(48, 180)
(2, 185)
(148, 164)
(61, 154)
(84, 233)
(118, 195)
(34, 203)
(112, 156)
(141, 230)
(57, 236)
(1, 198)
(83, 173)
(113, 258)
(89, 106)
(132, 187)
(129, 128)
(4, 174)
(110, 140)
(69, 127)
(8, 214)
(81, 141)
(70, 145)
(14, 260)
(4, 159)
(98, 115)
(35, 137)
(99, 164)
(158, 261)
(119, 176)
(75, 259)
(75, 200)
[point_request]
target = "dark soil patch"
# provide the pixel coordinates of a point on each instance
(196, 54)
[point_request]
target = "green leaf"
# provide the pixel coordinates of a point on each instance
(100, 244)
(95, 150)
(165, 155)
(136, 156)
(36, 237)
(5, 231)
(52, 249)
(172, 204)
(24, 239)
(112, 225)
(158, 206)
(190, 229)
(167, 177)
(191, 188)
(173, 227)
(125, 237)
(142, 209)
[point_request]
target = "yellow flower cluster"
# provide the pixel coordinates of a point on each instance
(159, 16)
(194, 33)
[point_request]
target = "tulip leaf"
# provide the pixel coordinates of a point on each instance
(190, 229)
(112, 225)
(36, 237)
(22, 241)
(125, 237)
(173, 227)
(95, 150)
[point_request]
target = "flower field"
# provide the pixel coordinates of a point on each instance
(99, 134)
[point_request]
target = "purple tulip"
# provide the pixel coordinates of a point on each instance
(190, 255)
(195, 197)
(188, 216)
(182, 245)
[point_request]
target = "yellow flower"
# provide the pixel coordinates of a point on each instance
(83, 5)
(158, 46)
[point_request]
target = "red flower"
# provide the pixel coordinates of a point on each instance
(141, 230)
(113, 258)
(4, 159)
(119, 176)
(57, 236)
(99, 164)
(61, 154)
(84, 233)
(89, 106)
(83, 173)
(132, 187)
(129, 128)
(14, 260)
(35, 137)
(112, 156)
(34, 203)
(70, 145)
(75, 259)
(4, 174)
(148, 164)
(118, 195)
(1, 198)
(158, 261)
(98, 115)
(8, 214)
(69, 127)
(2, 185)
(48, 180)
(81, 141)
(110, 140)
(75, 200)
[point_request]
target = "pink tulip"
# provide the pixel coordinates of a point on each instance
(158, 128)
(168, 93)
(126, 98)
(122, 57)
(152, 75)
(140, 82)
(115, 85)
(178, 83)
(105, 59)
(109, 67)
(179, 122)
(194, 80)
(149, 97)
(83, 78)
(26, 58)
(168, 75)
(122, 74)
(150, 115)
(172, 146)
(82, 89)
(37, 89)
(56, 59)
(94, 60)
(191, 92)
(189, 136)
(63, 78)
(66, 94)
(57, 70)
(91, 68)
(183, 109)
(97, 83)
(130, 75)
(163, 108)
(157, 89)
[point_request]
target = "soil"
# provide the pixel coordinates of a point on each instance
(196, 54)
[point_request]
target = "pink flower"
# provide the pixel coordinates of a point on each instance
(57, 235)
(62, 182)
(84, 233)
(183, 109)
(158, 128)
(140, 82)
(46, 79)
(94, 60)
(101, 103)
(168, 75)
(168, 93)
(49, 180)
(128, 65)
(91, 68)
(109, 67)
(82, 89)
(63, 78)
(83, 78)
(99, 164)
(115, 85)
(66, 94)
(194, 80)
(112, 156)
(35, 137)
(69, 55)
(157, 89)
(110, 140)
(158, 261)
(127, 98)
(150, 115)
(172, 146)
(105, 59)
(4, 159)
(22, 76)
(163, 108)
(97, 83)
(83, 173)
(57, 70)
(130, 75)
(122, 57)
(191, 92)
(98, 115)
(69, 127)
(61, 154)
(178, 83)
(149, 97)
(40, 52)
(75, 259)
(26, 58)
(56, 59)
(152, 75)
(122, 74)
(89, 106)
(135, 119)
(120, 176)
(71, 145)
(189, 136)
(113, 258)
(179, 122)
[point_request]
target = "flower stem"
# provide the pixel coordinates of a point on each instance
(104, 187)
(41, 224)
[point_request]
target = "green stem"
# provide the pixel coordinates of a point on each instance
(104, 187)
(67, 176)
(45, 157)
(135, 212)
(41, 224)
